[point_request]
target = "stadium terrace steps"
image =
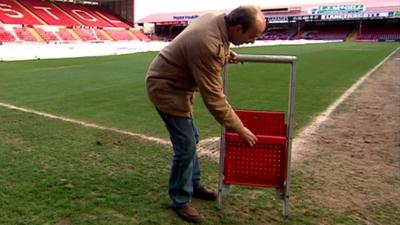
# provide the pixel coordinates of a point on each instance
(35, 34)
(132, 35)
(74, 34)
(105, 35)
(65, 35)
(353, 35)
(140, 35)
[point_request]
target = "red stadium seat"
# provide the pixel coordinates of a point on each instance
(120, 34)
(47, 21)
(13, 12)
(265, 163)
(86, 34)
(84, 15)
(327, 32)
(6, 36)
(140, 35)
(23, 34)
(49, 13)
(114, 21)
(375, 32)
(47, 36)
(100, 35)
(65, 35)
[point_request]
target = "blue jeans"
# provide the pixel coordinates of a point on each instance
(185, 170)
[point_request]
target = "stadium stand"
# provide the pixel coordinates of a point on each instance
(277, 33)
(50, 13)
(47, 35)
(120, 34)
(83, 14)
(52, 21)
(65, 34)
(6, 36)
(140, 35)
(108, 17)
(102, 35)
(86, 34)
(327, 32)
(24, 34)
(57, 21)
(13, 12)
(378, 32)
(331, 21)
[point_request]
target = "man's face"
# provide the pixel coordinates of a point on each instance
(239, 37)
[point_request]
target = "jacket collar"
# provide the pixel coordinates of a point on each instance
(223, 29)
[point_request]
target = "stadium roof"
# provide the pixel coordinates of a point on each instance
(328, 8)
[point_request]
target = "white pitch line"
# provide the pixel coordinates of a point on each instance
(300, 141)
(326, 114)
(85, 124)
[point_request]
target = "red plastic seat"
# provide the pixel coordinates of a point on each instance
(265, 163)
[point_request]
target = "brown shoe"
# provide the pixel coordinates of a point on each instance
(189, 214)
(205, 194)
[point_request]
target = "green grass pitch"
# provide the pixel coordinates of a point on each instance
(110, 90)
(53, 172)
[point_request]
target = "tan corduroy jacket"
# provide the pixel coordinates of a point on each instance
(193, 62)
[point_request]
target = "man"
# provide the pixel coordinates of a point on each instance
(193, 62)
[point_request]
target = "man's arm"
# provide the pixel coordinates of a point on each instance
(206, 66)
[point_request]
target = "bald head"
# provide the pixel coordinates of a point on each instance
(245, 24)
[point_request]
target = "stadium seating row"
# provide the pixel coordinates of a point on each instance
(327, 32)
(36, 12)
(16, 33)
(277, 34)
(45, 21)
(6, 36)
(381, 32)
(335, 32)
